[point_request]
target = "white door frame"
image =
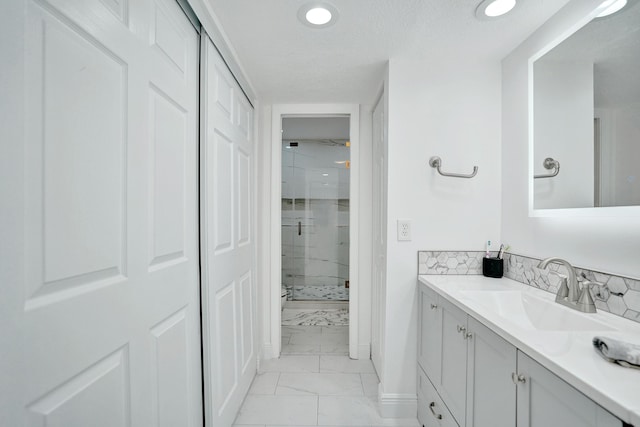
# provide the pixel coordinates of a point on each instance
(318, 110)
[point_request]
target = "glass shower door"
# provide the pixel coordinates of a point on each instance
(318, 220)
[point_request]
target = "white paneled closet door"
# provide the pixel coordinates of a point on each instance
(100, 253)
(228, 242)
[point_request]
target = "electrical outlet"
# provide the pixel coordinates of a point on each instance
(404, 229)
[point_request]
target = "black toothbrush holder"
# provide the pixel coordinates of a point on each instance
(493, 267)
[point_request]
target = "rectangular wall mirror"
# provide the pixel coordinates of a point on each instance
(586, 114)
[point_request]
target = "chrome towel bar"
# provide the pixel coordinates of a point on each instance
(549, 164)
(436, 162)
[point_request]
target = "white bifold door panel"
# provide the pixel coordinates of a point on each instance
(100, 239)
(228, 243)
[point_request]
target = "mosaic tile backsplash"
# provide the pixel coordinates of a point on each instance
(621, 296)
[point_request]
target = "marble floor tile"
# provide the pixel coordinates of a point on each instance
(315, 317)
(342, 364)
(355, 411)
(336, 329)
(370, 384)
(336, 391)
(264, 383)
(319, 339)
(301, 349)
(335, 349)
(291, 364)
(286, 410)
(321, 292)
(347, 411)
(320, 384)
(398, 422)
(298, 329)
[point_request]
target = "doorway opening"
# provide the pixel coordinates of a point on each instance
(314, 229)
(315, 186)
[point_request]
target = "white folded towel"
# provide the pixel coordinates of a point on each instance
(616, 351)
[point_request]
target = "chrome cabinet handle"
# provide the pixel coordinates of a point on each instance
(461, 329)
(432, 405)
(518, 378)
(299, 228)
(468, 335)
(434, 306)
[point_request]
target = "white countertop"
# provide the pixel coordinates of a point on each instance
(568, 354)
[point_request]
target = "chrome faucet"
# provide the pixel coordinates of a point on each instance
(569, 293)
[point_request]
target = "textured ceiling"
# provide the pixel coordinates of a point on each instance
(289, 62)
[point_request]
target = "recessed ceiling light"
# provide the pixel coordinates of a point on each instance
(491, 9)
(611, 7)
(318, 15)
(325, 174)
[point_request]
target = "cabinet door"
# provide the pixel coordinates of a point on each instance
(453, 384)
(491, 393)
(430, 334)
(544, 400)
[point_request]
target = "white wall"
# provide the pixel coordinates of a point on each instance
(604, 239)
(450, 109)
(563, 130)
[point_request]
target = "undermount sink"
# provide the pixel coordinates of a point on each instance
(531, 312)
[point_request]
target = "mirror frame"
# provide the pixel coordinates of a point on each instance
(607, 211)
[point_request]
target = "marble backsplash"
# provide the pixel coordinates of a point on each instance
(621, 296)
(450, 262)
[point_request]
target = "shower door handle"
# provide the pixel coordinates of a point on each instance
(299, 228)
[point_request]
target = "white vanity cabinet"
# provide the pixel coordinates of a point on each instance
(469, 376)
(469, 366)
(545, 400)
(491, 393)
(453, 384)
(430, 333)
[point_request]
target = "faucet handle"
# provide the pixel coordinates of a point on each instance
(563, 290)
(585, 302)
(600, 290)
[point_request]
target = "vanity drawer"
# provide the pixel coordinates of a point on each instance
(432, 411)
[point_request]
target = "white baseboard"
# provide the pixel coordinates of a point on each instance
(267, 352)
(395, 405)
(364, 351)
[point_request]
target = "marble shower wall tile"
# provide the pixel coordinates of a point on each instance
(315, 263)
(620, 297)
